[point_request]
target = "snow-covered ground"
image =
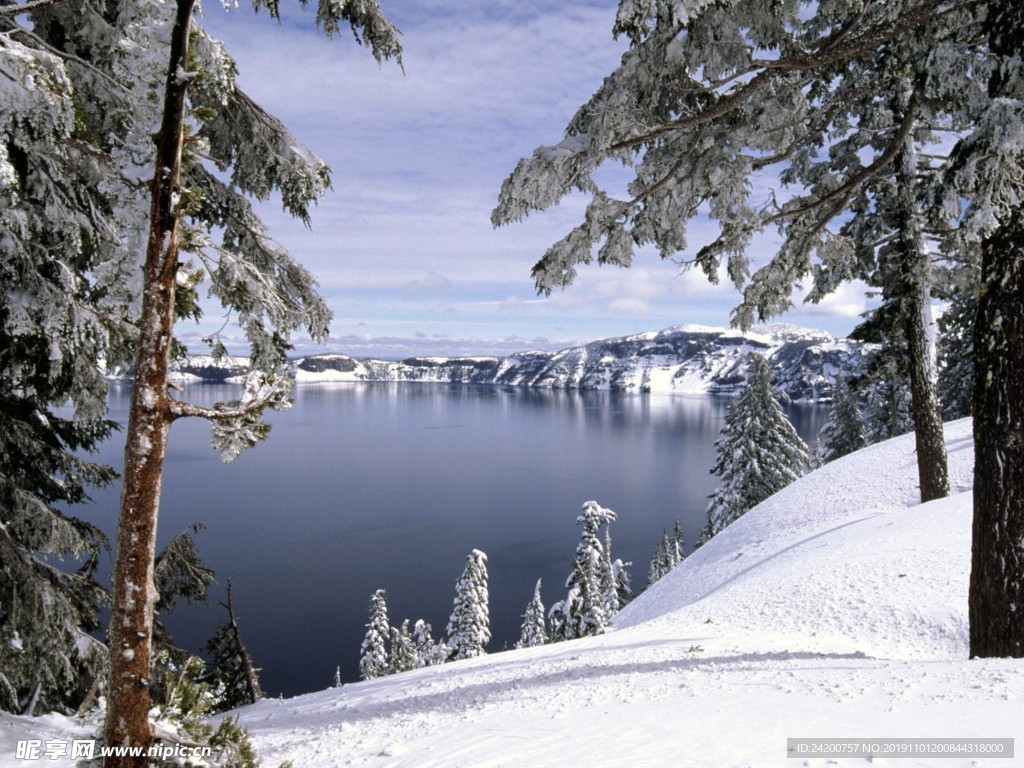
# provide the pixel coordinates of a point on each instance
(836, 609)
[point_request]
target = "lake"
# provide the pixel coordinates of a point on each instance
(389, 486)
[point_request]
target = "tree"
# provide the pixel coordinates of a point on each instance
(373, 656)
(583, 612)
(534, 630)
(64, 305)
(428, 653)
(837, 98)
(469, 628)
(845, 431)
(759, 451)
(270, 292)
(991, 160)
(888, 406)
(231, 672)
(956, 354)
(403, 650)
(667, 555)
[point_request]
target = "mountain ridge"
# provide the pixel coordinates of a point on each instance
(682, 359)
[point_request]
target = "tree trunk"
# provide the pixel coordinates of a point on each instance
(252, 682)
(149, 419)
(915, 311)
(996, 601)
(996, 597)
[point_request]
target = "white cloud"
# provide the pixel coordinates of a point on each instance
(404, 243)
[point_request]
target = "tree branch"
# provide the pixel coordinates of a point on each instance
(15, 10)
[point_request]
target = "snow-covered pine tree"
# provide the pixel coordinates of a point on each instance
(64, 306)
(244, 152)
(667, 555)
(956, 354)
(845, 431)
(887, 407)
(403, 650)
(469, 628)
(660, 560)
(373, 655)
(839, 99)
(534, 629)
(583, 613)
(759, 451)
(428, 652)
(231, 672)
(336, 682)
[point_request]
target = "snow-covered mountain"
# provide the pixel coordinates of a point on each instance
(682, 359)
(835, 609)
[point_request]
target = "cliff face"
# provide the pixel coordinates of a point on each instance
(684, 359)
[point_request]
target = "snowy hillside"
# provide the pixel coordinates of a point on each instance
(683, 359)
(835, 609)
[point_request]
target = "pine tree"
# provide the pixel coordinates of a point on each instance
(667, 555)
(660, 560)
(534, 630)
(428, 653)
(841, 100)
(231, 671)
(403, 650)
(845, 431)
(583, 612)
(373, 657)
(759, 451)
(888, 407)
(469, 628)
(272, 295)
(336, 682)
(956, 355)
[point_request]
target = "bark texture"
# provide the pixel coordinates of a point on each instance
(996, 601)
(149, 420)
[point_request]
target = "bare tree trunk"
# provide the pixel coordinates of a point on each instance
(914, 303)
(996, 598)
(149, 419)
(252, 683)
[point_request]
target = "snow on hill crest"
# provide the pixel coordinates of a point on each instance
(684, 359)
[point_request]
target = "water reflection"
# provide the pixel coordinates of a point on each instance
(367, 486)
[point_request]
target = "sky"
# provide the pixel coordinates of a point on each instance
(403, 246)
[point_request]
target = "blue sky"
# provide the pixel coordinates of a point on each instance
(403, 246)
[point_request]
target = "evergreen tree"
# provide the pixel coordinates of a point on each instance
(373, 657)
(667, 555)
(888, 407)
(623, 582)
(428, 653)
(842, 100)
(660, 560)
(759, 451)
(845, 431)
(231, 672)
(469, 628)
(583, 612)
(336, 683)
(956, 355)
(534, 630)
(403, 650)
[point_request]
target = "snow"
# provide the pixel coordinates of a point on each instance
(837, 608)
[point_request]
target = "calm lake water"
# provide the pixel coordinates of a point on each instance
(389, 486)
